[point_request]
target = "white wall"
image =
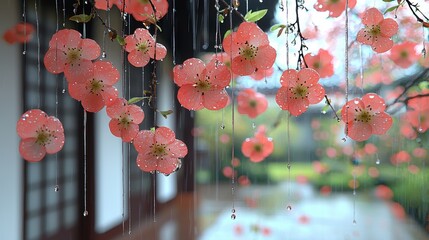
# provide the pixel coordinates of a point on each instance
(11, 165)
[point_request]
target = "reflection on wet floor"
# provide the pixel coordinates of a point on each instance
(262, 214)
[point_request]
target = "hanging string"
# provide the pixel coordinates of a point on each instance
(64, 13)
(24, 18)
(85, 212)
(129, 145)
(361, 68)
(346, 64)
(194, 27)
(206, 25)
(233, 215)
(174, 32)
(38, 52)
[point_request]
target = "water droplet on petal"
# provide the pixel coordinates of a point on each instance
(85, 213)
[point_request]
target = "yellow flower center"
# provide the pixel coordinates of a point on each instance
(257, 148)
(363, 116)
(96, 86)
(300, 91)
(374, 30)
(159, 150)
(403, 54)
(143, 47)
(124, 120)
(73, 55)
(248, 52)
(203, 85)
(43, 136)
(253, 103)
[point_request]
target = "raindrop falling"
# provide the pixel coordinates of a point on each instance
(57, 188)
(289, 207)
(85, 213)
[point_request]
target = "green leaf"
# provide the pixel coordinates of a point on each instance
(227, 33)
(152, 129)
(81, 18)
(255, 16)
(391, 9)
(325, 109)
(220, 18)
(135, 100)
(166, 113)
(277, 26)
(424, 85)
(120, 40)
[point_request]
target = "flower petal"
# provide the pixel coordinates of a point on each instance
(138, 58)
(215, 99)
(164, 135)
(90, 49)
(79, 72)
(143, 140)
(178, 149)
(359, 131)
(308, 76)
(381, 123)
(316, 94)
(382, 44)
(146, 162)
(189, 72)
(190, 98)
(30, 150)
(30, 122)
(289, 76)
(92, 102)
(54, 61)
(116, 108)
(168, 165)
(105, 71)
(372, 16)
(388, 27)
(129, 133)
(265, 58)
(136, 113)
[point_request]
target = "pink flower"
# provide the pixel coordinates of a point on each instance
(377, 31)
(159, 150)
(250, 49)
(365, 117)
(322, 63)
(335, 7)
(418, 112)
(102, 4)
(400, 157)
(142, 10)
(202, 86)
(97, 91)
(71, 54)
(251, 103)
(141, 48)
(40, 134)
(20, 33)
(299, 90)
(404, 54)
(259, 147)
(125, 119)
